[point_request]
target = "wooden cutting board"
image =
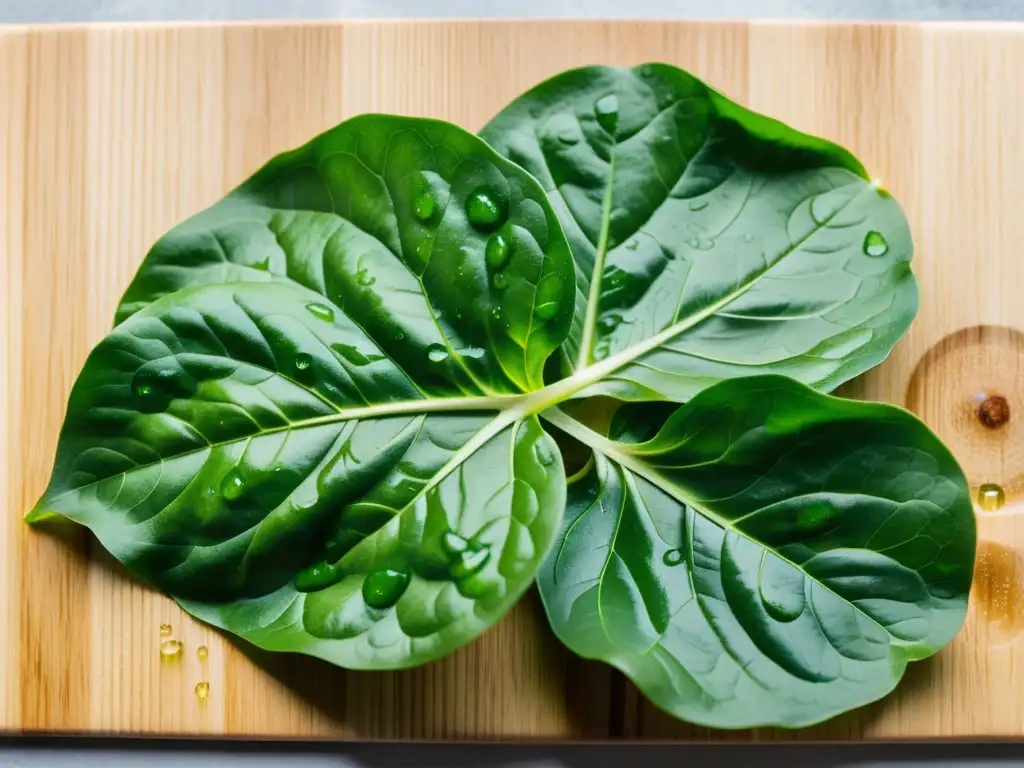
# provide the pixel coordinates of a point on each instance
(110, 135)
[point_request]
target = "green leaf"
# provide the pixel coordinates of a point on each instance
(710, 242)
(350, 469)
(772, 556)
(414, 227)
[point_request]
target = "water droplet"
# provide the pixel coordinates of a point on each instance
(483, 210)
(609, 322)
(352, 355)
(606, 109)
(705, 244)
(632, 244)
(545, 311)
(875, 244)
(746, 237)
(496, 313)
(698, 205)
(165, 630)
(470, 562)
(202, 690)
(544, 452)
(424, 207)
(672, 557)
(568, 135)
(474, 353)
(693, 242)
(423, 248)
(399, 336)
(436, 353)
(303, 360)
(646, 71)
(453, 544)
(322, 311)
(233, 486)
(202, 652)
(317, 576)
(364, 278)
(499, 281)
(383, 587)
(169, 648)
(991, 497)
(497, 251)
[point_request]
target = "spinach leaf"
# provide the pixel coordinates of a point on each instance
(347, 471)
(710, 242)
(772, 556)
(405, 224)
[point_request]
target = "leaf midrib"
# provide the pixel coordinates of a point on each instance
(501, 403)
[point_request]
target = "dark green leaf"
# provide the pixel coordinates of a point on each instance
(351, 471)
(773, 556)
(377, 215)
(710, 242)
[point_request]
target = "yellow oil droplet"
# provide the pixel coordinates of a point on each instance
(170, 648)
(165, 630)
(991, 497)
(202, 652)
(202, 690)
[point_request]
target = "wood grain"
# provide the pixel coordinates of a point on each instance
(110, 135)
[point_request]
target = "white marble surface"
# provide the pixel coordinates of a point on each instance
(25, 11)
(112, 754)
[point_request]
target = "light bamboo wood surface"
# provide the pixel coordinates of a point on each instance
(110, 135)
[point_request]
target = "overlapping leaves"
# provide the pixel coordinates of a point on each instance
(319, 421)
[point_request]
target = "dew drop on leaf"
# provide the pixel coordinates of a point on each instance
(693, 242)
(698, 205)
(875, 244)
(545, 311)
(609, 322)
(317, 576)
(437, 353)
(672, 557)
(544, 453)
(705, 244)
(202, 652)
(496, 313)
(474, 353)
(453, 544)
(484, 211)
(383, 587)
(497, 251)
(568, 135)
(352, 355)
(165, 630)
(746, 237)
(364, 278)
(425, 205)
(303, 360)
(646, 71)
(632, 244)
(232, 486)
(606, 109)
(499, 281)
(322, 311)
(202, 690)
(469, 562)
